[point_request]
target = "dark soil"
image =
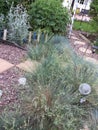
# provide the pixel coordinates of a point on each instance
(91, 37)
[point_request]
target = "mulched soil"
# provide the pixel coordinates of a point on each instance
(12, 54)
(9, 78)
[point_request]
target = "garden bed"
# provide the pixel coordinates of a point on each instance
(12, 54)
(46, 89)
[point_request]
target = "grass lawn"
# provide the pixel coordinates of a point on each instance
(84, 26)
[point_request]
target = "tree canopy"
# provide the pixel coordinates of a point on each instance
(6, 4)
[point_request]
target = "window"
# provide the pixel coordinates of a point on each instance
(81, 1)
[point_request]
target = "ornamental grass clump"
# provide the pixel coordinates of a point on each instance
(53, 100)
(63, 108)
(2, 21)
(52, 103)
(58, 46)
(41, 51)
(79, 71)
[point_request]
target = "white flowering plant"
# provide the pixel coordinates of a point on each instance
(18, 24)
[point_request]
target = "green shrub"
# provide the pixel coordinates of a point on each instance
(18, 24)
(48, 17)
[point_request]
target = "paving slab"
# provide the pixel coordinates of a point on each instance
(75, 38)
(79, 43)
(92, 60)
(82, 49)
(28, 65)
(4, 65)
(72, 34)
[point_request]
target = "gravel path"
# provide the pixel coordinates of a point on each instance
(76, 47)
(12, 54)
(9, 78)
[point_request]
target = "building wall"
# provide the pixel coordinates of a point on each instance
(85, 5)
(77, 4)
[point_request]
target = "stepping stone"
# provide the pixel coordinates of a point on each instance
(72, 34)
(82, 49)
(28, 65)
(4, 65)
(73, 37)
(92, 60)
(79, 43)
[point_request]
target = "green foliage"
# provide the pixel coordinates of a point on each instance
(94, 13)
(41, 51)
(51, 100)
(55, 88)
(2, 21)
(84, 26)
(78, 71)
(96, 42)
(14, 121)
(18, 24)
(55, 46)
(6, 4)
(49, 17)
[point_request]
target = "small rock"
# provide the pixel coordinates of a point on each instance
(1, 92)
(22, 81)
(82, 100)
